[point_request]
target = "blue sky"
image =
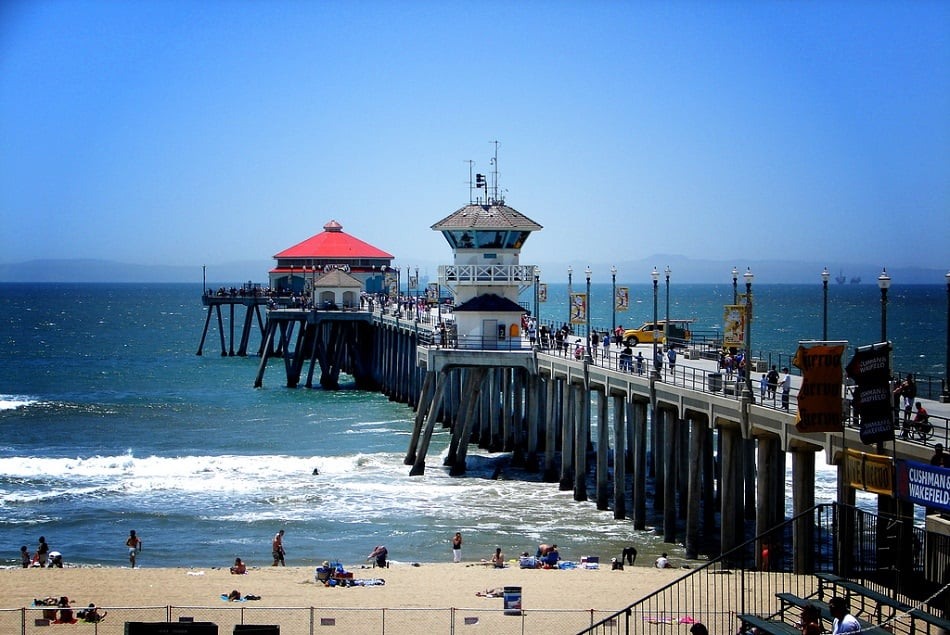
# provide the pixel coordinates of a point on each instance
(190, 133)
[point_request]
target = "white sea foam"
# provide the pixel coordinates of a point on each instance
(12, 402)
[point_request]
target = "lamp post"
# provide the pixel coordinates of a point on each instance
(748, 276)
(537, 318)
(590, 357)
(656, 279)
(666, 327)
(824, 313)
(613, 300)
(884, 283)
(735, 286)
(570, 275)
(945, 396)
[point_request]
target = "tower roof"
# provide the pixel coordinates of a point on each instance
(333, 242)
(475, 216)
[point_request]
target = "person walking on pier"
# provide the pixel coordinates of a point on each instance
(786, 388)
(277, 548)
(639, 362)
(671, 356)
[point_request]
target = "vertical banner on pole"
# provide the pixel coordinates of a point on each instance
(819, 399)
(542, 292)
(733, 320)
(578, 308)
(870, 368)
(622, 300)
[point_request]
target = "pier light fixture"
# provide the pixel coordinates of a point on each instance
(748, 276)
(570, 290)
(825, 276)
(656, 279)
(590, 358)
(735, 286)
(884, 283)
(613, 300)
(537, 309)
(666, 327)
(945, 395)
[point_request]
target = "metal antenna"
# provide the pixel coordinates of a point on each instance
(494, 174)
(470, 186)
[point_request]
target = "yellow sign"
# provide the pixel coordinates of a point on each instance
(733, 319)
(869, 472)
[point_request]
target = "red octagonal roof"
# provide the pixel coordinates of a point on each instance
(333, 242)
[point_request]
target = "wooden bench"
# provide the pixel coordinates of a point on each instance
(856, 589)
(766, 625)
(867, 628)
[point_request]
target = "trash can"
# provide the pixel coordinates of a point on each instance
(715, 382)
(512, 599)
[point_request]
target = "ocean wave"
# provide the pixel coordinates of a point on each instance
(12, 402)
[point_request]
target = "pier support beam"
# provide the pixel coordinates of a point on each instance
(550, 429)
(639, 423)
(694, 495)
(668, 423)
(730, 496)
(620, 473)
(581, 436)
(603, 449)
(567, 437)
(803, 499)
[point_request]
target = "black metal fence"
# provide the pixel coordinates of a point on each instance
(888, 555)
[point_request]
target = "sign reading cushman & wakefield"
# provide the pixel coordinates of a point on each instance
(870, 368)
(926, 485)
(819, 400)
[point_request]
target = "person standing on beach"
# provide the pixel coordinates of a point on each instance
(457, 547)
(277, 548)
(25, 557)
(134, 543)
(42, 552)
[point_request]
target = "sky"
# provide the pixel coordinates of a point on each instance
(189, 133)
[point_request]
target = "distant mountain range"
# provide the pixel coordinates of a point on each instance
(684, 269)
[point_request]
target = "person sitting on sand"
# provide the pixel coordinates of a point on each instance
(239, 567)
(551, 558)
(498, 559)
(65, 612)
(379, 555)
(234, 596)
(663, 562)
(91, 614)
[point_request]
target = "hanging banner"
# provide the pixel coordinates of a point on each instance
(733, 320)
(869, 472)
(391, 282)
(432, 292)
(622, 299)
(542, 292)
(578, 308)
(819, 399)
(927, 485)
(870, 368)
(414, 281)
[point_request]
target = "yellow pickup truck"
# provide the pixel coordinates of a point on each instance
(647, 333)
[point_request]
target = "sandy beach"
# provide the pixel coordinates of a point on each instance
(406, 586)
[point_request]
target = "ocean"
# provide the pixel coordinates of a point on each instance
(110, 422)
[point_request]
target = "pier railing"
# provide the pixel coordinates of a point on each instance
(885, 555)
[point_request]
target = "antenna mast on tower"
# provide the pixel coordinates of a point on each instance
(494, 174)
(471, 199)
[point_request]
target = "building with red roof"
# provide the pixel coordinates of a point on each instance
(299, 267)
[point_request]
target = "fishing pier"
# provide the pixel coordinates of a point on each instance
(706, 452)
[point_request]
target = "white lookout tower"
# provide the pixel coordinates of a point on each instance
(486, 238)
